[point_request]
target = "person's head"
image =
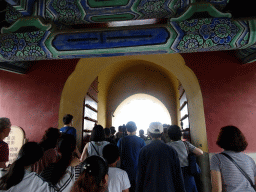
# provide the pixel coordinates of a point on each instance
(231, 138)
(174, 132)
(50, 138)
(107, 132)
(186, 134)
(97, 134)
(112, 130)
(67, 119)
(155, 130)
(29, 153)
(122, 128)
(5, 126)
(94, 176)
(131, 127)
(141, 132)
(66, 144)
(111, 153)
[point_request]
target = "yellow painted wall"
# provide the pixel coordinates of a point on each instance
(108, 68)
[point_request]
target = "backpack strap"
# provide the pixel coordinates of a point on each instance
(240, 169)
(95, 149)
(66, 130)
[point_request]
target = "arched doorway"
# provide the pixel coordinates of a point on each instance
(142, 109)
(88, 69)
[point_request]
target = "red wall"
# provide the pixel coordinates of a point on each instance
(31, 101)
(229, 94)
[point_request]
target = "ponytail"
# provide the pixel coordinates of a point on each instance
(66, 146)
(60, 168)
(28, 155)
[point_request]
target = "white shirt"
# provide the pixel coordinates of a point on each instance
(30, 182)
(117, 180)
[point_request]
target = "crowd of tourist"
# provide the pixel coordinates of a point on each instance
(122, 161)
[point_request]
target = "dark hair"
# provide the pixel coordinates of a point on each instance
(29, 153)
(112, 130)
(174, 132)
(155, 136)
(4, 123)
(122, 128)
(67, 119)
(94, 170)
(107, 131)
(50, 138)
(66, 146)
(131, 126)
(97, 133)
(141, 132)
(231, 138)
(186, 134)
(110, 153)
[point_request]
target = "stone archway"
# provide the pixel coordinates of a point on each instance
(88, 69)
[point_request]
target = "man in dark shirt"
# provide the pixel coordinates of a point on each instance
(159, 166)
(5, 128)
(68, 129)
(129, 147)
(68, 122)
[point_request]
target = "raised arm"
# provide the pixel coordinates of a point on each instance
(198, 151)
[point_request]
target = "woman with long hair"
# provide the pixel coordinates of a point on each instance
(19, 178)
(48, 143)
(183, 149)
(94, 177)
(225, 174)
(61, 175)
(96, 144)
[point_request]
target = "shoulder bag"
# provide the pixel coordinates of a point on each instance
(194, 168)
(240, 169)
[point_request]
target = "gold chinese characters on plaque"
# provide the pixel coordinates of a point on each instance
(15, 141)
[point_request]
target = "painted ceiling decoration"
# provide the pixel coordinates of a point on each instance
(44, 29)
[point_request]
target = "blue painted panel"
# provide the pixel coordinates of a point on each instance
(77, 41)
(110, 39)
(112, 54)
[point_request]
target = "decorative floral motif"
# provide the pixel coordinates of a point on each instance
(190, 42)
(67, 10)
(154, 9)
(194, 24)
(207, 34)
(11, 14)
(153, 6)
(8, 45)
(221, 31)
(22, 46)
(32, 37)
